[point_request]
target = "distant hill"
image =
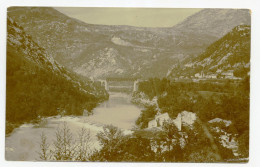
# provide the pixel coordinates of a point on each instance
(231, 52)
(39, 86)
(100, 51)
(215, 22)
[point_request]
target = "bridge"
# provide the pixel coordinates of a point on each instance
(118, 82)
(120, 79)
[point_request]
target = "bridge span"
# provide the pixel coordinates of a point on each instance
(109, 81)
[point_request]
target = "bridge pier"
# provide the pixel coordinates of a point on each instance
(106, 86)
(104, 83)
(135, 85)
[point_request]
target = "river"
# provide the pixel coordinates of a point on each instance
(23, 143)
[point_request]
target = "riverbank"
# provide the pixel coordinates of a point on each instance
(23, 143)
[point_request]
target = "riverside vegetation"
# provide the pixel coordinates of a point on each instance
(166, 145)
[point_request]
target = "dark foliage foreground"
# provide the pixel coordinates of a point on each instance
(142, 146)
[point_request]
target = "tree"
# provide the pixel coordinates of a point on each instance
(44, 154)
(110, 139)
(83, 150)
(171, 138)
(63, 145)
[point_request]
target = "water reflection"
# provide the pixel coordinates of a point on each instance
(116, 99)
(118, 111)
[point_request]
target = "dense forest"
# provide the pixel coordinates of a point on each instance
(37, 87)
(174, 97)
(33, 92)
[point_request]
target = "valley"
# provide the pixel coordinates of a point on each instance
(117, 93)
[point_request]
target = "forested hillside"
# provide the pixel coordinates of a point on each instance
(38, 86)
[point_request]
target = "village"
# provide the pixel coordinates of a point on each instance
(219, 74)
(229, 74)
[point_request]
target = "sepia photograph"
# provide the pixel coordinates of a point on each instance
(127, 84)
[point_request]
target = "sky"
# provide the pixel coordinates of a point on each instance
(140, 17)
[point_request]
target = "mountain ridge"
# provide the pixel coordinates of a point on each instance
(231, 52)
(139, 52)
(214, 19)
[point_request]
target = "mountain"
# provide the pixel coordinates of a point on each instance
(231, 52)
(100, 51)
(39, 86)
(215, 22)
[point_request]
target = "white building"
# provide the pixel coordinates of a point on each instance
(228, 74)
(200, 75)
(197, 75)
(219, 71)
(158, 120)
(212, 76)
(184, 118)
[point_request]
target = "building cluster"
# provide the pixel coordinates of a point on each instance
(219, 74)
(184, 118)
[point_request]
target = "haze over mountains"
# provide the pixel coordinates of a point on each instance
(100, 51)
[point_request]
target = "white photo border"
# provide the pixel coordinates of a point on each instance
(253, 5)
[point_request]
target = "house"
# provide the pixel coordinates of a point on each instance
(228, 74)
(158, 120)
(213, 76)
(197, 75)
(218, 71)
(200, 75)
(184, 118)
(187, 118)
